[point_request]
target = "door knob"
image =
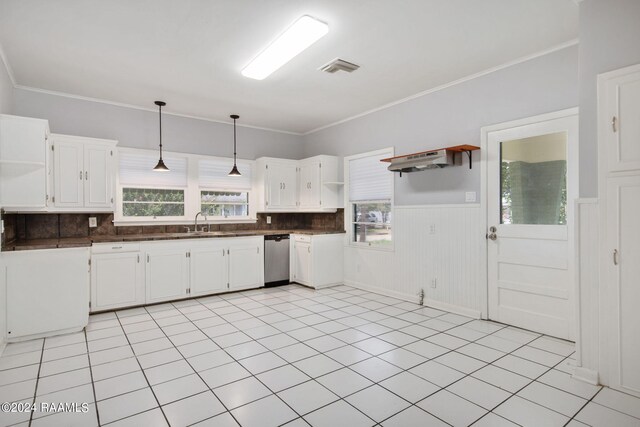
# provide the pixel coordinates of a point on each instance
(492, 236)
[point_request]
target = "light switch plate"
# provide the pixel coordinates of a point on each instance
(470, 196)
(268, 220)
(93, 222)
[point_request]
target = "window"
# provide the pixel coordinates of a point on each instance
(224, 203)
(222, 195)
(370, 199)
(149, 194)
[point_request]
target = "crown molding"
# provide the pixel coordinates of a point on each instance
(450, 84)
(153, 110)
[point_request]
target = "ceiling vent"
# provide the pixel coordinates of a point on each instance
(339, 64)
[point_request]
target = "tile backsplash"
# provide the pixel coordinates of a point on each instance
(50, 225)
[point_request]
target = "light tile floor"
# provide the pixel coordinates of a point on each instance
(290, 355)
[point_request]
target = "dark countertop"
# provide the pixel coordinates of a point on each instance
(77, 242)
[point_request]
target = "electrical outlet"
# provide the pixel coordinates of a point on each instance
(93, 222)
(470, 196)
(434, 282)
(268, 219)
(432, 229)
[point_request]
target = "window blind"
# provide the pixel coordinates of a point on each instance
(136, 169)
(214, 174)
(369, 179)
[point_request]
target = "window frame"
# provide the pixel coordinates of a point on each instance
(349, 204)
(192, 197)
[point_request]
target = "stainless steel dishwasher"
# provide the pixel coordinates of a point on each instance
(276, 260)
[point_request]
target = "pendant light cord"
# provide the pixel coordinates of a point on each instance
(234, 141)
(160, 121)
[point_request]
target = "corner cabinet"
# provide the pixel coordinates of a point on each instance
(316, 260)
(23, 162)
(307, 185)
(47, 291)
(83, 173)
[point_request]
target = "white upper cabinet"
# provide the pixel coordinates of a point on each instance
(622, 120)
(309, 185)
(23, 163)
(279, 184)
(83, 173)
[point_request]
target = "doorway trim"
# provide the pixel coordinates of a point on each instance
(572, 179)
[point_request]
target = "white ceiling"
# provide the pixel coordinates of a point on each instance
(190, 52)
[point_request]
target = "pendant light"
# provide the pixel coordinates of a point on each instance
(160, 167)
(234, 171)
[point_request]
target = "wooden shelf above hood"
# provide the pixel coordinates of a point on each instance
(456, 148)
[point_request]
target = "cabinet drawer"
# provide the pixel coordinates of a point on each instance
(302, 238)
(115, 247)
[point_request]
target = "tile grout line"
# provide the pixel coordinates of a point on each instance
(145, 378)
(93, 384)
(35, 392)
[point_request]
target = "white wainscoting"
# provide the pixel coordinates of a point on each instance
(587, 291)
(454, 254)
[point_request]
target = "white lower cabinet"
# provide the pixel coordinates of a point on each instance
(47, 291)
(316, 260)
(167, 272)
(246, 263)
(173, 269)
(116, 276)
(209, 268)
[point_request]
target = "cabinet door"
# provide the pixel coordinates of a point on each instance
(623, 270)
(116, 281)
(302, 262)
(246, 265)
(209, 270)
(47, 291)
(273, 186)
(68, 174)
(309, 185)
(167, 274)
(289, 192)
(98, 175)
(621, 124)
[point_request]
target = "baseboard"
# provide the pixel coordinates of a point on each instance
(456, 309)
(587, 375)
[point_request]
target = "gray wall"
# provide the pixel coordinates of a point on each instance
(139, 128)
(454, 116)
(6, 91)
(609, 39)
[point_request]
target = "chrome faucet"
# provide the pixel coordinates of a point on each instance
(195, 225)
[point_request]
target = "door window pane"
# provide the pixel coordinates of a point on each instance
(533, 180)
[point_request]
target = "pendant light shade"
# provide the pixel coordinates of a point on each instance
(160, 167)
(234, 171)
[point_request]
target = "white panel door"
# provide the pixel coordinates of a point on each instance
(622, 104)
(68, 174)
(309, 185)
(531, 171)
(302, 263)
(47, 291)
(209, 270)
(623, 245)
(116, 280)
(98, 175)
(167, 274)
(246, 264)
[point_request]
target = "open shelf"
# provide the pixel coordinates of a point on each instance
(455, 148)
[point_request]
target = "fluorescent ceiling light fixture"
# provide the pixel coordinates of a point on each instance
(299, 36)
